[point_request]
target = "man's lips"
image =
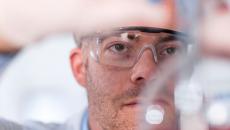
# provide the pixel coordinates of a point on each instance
(137, 102)
(162, 102)
(132, 104)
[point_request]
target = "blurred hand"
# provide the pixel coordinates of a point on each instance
(23, 21)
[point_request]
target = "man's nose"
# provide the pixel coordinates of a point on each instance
(145, 68)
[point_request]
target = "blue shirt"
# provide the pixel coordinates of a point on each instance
(4, 60)
(84, 121)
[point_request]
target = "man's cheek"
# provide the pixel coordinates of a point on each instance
(116, 80)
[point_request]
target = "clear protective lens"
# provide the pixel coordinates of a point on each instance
(123, 49)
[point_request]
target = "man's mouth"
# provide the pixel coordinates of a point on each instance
(132, 104)
(140, 102)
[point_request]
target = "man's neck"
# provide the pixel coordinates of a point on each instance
(93, 123)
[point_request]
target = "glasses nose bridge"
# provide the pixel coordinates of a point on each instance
(150, 47)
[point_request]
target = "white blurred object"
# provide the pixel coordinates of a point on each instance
(212, 75)
(188, 97)
(39, 84)
(154, 114)
(217, 114)
(23, 21)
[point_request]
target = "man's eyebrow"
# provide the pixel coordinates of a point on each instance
(104, 36)
(168, 38)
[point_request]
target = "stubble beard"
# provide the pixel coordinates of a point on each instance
(103, 110)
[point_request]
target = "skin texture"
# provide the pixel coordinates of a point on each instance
(111, 89)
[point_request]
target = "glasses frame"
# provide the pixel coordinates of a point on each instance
(94, 52)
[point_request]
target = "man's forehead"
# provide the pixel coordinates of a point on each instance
(121, 32)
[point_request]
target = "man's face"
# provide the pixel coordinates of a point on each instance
(114, 92)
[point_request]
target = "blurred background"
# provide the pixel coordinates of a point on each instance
(37, 83)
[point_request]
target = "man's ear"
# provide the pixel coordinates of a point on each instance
(78, 66)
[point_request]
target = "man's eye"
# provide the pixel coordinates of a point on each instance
(169, 51)
(118, 47)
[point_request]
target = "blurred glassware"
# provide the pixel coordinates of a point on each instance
(200, 92)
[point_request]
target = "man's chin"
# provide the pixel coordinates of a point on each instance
(129, 116)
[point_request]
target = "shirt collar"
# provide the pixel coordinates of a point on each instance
(5, 59)
(84, 122)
